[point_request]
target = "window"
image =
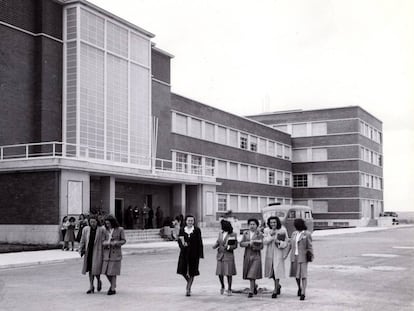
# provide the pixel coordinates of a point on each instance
(222, 202)
(254, 174)
(222, 135)
(244, 172)
(234, 170)
(380, 160)
(196, 164)
(271, 149)
(195, 128)
(262, 146)
(279, 150)
(234, 203)
(209, 166)
(181, 162)
(263, 175)
(300, 180)
(243, 141)
(319, 154)
(292, 214)
(253, 143)
(300, 155)
(254, 204)
(319, 206)
(287, 179)
(222, 169)
(299, 130)
(209, 131)
(319, 180)
(262, 202)
(181, 124)
(271, 177)
(319, 128)
(233, 138)
(287, 152)
(244, 204)
(279, 179)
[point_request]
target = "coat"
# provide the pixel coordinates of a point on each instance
(225, 254)
(97, 255)
(304, 245)
(252, 260)
(190, 255)
(112, 253)
(276, 253)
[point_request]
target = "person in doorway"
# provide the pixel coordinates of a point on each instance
(302, 253)
(159, 217)
(277, 249)
(252, 241)
(91, 248)
(226, 243)
(129, 218)
(145, 212)
(150, 218)
(112, 254)
(137, 215)
(191, 250)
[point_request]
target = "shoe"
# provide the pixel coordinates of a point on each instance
(274, 295)
(99, 287)
(111, 292)
(91, 290)
(188, 293)
(279, 288)
(250, 295)
(302, 297)
(221, 291)
(229, 292)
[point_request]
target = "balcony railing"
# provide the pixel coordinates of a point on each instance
(71, 151)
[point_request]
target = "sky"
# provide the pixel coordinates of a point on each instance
(252, 56)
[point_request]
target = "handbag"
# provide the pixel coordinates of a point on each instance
(309, 256)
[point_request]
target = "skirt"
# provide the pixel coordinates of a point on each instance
(111, 267)
(226, 267)
(298, 270)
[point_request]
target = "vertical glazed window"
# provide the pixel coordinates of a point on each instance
(287, 152)
(253, 143)
(234, 174)
(181, 162)
(299, 130)
(262, 146)
(319, 154)
(271, 148)
(279, 150)
(234, 203)
(180, 124)
(263, 175)
(243, 141)
(195, 129)
(361, 127)
(254, 204)
(209, 166)
(254, 174)
(279, 178)
(244, 175)
(222, 202)
(300, 155)
(233, 141)
(209, 131)
(319, 128)
(300, 180)
(271, 200)
(271, 175)
(287, 179)
(140, 49)
(195, 165)
(244, 203)
(262, 202)
(92, 28)
(222, 135)
(117, 39)
(222, 169)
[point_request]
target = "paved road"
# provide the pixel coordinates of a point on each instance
(364, 271)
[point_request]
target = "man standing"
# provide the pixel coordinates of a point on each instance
(159, 217)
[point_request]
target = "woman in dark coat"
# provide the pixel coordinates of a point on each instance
(91, 248)
(302, 249)
(112, 254)
(226, 243)
(252, 240)
(191, 250)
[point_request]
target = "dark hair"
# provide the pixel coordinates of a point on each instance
(299, 224)
(254, 220)
(93, 216)
(64, 218)
(112, 220)
(72, 218)
(81, 215)
(226, 226)
(189, 216)
(278, 223)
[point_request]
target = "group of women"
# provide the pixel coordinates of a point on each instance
(101, 248)
(278, 246)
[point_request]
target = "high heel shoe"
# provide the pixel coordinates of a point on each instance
(91, 290)
(111, 292)
(188, 293)
(221, 291)
(274, 295)
(99, 287)
(250, 295)
(302, 297)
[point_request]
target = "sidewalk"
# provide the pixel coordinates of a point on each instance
(33, 258)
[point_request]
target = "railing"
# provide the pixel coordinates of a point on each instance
(56, 149)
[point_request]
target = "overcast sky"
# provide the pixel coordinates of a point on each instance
(252, 56)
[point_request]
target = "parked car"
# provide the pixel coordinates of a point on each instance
(394, 216)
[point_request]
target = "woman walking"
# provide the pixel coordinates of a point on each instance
(302, 253)
(226, 243)
(191, 250)
(112, 254)
(91, 247)
(252, 240)
(277, 250)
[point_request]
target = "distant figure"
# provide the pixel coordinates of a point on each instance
(129, 218)
(302, 253)
(252, 240)
(226, 243)
(159, 216)
(191, 250)
(145, 212)
(63, 228)
(70, 234)
(91, 247)
(137, 215)
(176, 227)
(150, 218)
(82, 223)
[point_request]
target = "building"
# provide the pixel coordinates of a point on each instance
(88, 123)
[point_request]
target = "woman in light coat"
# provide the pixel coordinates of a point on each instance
(112, 254)
(277, 249)
(252, 240)
(90, 248)
(301, 242)
(226, 243)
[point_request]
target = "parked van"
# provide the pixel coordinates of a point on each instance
(288, 213)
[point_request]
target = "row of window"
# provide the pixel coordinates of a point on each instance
(370, 156)
(194, 164)
(303, 129)
(370, 132)
(310, 154)
(310, 180)
(186, 125)
(246, 203)
(371, 181)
